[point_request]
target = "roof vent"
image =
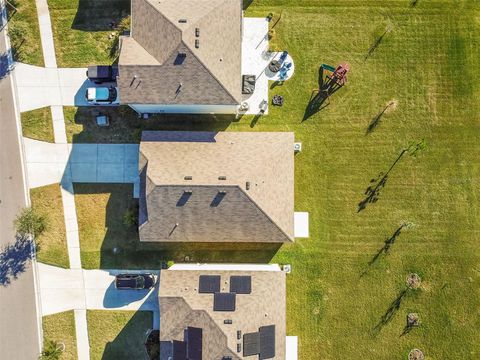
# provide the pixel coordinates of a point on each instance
(227, 321)
(197, 43)
(247, 185)
(187, 178)
(182, 21)
(222, 178)
(197, 32)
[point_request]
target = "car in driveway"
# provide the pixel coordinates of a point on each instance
(102, 95)
(135, 281)
(102, 73)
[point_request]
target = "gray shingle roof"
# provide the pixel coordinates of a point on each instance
(217, 205)
(150, 68)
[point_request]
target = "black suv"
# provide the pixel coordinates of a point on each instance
(102, 73)
(134, 281)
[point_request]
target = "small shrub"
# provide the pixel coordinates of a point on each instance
(52, 350)
(170, 263)
(130, 218)
(124, 25)
(30, 223)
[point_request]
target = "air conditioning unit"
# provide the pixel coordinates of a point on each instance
(297, 147)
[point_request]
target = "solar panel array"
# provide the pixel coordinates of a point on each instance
(224, 301)
(208, 284)
(261, 343)
(241, 284)
(193, 338)
(267, 342)
(251, 344)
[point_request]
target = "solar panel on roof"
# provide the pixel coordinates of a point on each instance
(193, 338)
(208, 284)
(267, 342)
(241, 284)
(179, 350)
(251, 344)
(224, 301)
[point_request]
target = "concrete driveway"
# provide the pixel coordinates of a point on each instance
(73, 289)
(39, 87)
(49, 163)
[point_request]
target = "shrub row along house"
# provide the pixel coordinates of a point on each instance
(185, 57)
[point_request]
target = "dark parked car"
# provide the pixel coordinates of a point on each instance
(134, 281)
(102, 73)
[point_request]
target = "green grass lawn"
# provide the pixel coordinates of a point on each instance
(118, 335)
(24, 32)
(82, 29)
(427, 65)
(61, 328)
(126, 127)
(52, 244)
(37, 124)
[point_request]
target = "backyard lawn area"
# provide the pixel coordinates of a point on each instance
(52, 244)
(37, 124)
(24, 32)
(61, 328)
(420, 62)
(118, 335)
(82, 30)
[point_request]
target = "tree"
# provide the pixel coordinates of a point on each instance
(52, 350)
(30, 223)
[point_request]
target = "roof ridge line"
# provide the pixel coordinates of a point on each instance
(208, 70)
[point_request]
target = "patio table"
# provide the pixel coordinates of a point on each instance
(274, 66)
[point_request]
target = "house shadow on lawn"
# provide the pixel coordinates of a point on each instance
(94, 15)
(121, 247)
(129, 343)
(126, 126)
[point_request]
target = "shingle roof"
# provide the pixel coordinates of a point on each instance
(181, 306)
(209, 73)
(241, 186)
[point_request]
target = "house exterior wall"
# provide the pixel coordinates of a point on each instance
(183, 109)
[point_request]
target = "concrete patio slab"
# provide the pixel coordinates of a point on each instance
(292, 348)
(301, 224)
(254, 61)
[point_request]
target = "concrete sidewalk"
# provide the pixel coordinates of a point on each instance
(78, 289)
(49, 163)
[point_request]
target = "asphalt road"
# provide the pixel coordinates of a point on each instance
(19, 331)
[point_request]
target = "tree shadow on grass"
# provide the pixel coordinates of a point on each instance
(14, 259)
(129, 343)
(94, 15)
(387, 244)
(372, 193)
(376, 43)
(126, 126)
(391, 311)
(121, 247)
